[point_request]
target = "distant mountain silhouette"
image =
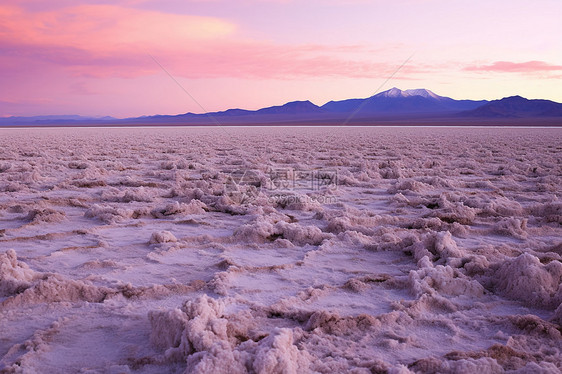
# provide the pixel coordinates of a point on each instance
(408, 106)
(289, 111)
(400, 102)
(295, 107)
(516, 107)
(53, 118)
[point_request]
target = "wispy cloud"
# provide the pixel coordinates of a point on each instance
(516, 67)
(114, 41)
(106, 28)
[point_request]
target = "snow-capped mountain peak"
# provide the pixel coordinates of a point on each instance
(393, 92)
(396, 93)
(422, 92)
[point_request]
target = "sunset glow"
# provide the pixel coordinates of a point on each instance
(93, 57)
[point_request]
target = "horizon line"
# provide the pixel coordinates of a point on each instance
(101, 117)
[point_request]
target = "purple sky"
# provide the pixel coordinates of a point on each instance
(93, 57)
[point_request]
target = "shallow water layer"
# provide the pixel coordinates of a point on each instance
(280, 250)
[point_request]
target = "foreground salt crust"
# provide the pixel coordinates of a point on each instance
(182, 250)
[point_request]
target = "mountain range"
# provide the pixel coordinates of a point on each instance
(390, 105)
(398, 101)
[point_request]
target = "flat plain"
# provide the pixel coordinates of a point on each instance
(280, 250)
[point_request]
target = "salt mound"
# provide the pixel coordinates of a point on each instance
(235, 204)
(464, 366)
(390, 170)
(278, 354)
(5, 166)
(162, 237)
(55, 288)
(557, 318)
(444, 279)
(194, 328)
(452, 209)
(438, 247)
(167, 328)
(99, 264)
(30, 177)
(334, 324)
(445, 246)
(15, 276)
(194, 207)
(11, 187)
(298, 234)
(551, 212)
(538, 368)
(351, 219)
(408, 185)
(526, 279)
(202, 335)
(19, 281)
(512, 227)
(78, 165)
(206, 323)
(88, 183)
(219, 359)
(139, 194)
(270, 228)
(47, 215)
(108, 214)
(296, 201)
(502, 207)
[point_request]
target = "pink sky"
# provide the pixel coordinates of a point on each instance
(93, 57)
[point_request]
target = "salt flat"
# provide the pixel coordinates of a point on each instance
(280, 250)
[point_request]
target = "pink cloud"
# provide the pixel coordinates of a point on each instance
(516, 67)
(114, 41)
(107, 28)
(96, 58)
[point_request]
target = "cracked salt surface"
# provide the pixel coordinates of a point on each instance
(145, 251)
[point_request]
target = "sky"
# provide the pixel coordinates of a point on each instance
(126, 58)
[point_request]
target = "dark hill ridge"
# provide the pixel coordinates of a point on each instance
(295, 107)
(516, 107)
(398, 101)
(288, 112)
(391, 105)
